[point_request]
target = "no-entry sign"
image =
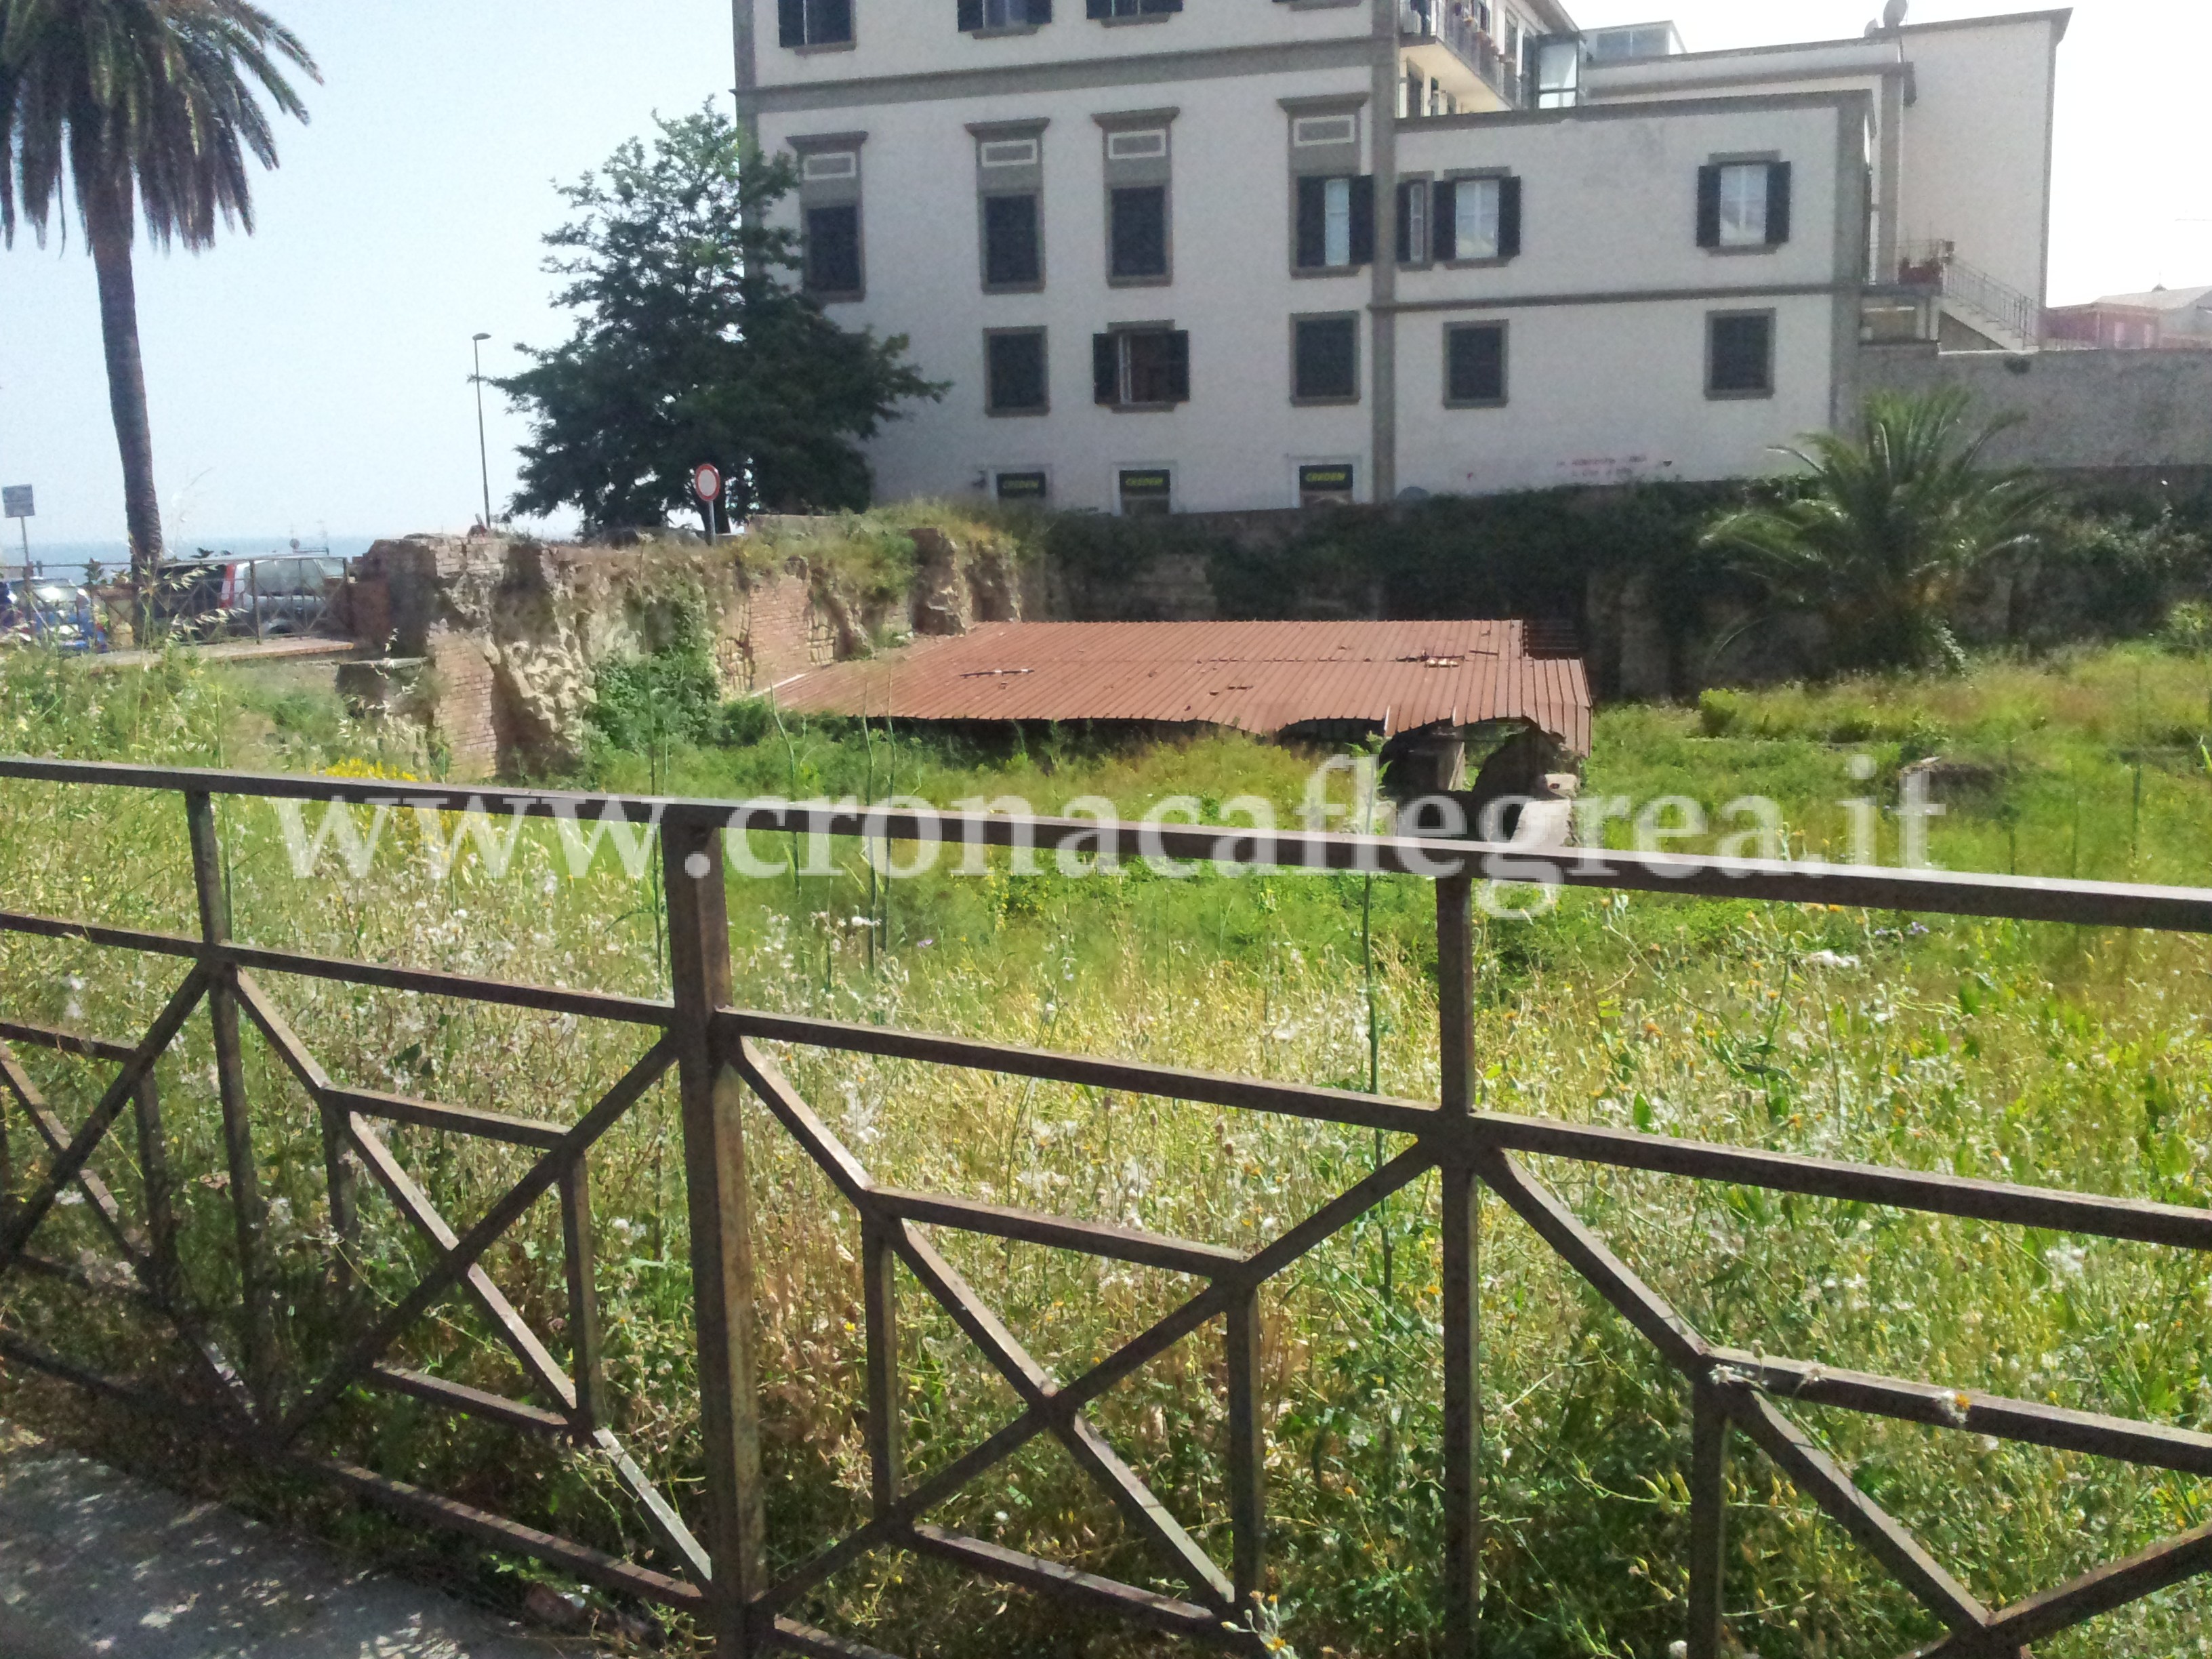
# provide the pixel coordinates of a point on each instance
(707, 482)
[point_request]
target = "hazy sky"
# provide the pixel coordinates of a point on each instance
(316, 374)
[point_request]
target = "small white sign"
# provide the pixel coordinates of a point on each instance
(707, 482)
(17, 502)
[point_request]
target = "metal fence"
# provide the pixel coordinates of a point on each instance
(713, 1049)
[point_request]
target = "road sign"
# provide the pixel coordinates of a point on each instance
(16, 502)
(707, 482)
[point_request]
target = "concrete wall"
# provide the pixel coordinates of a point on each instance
(2084, 410)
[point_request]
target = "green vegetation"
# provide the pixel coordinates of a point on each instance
(693, 345)
(2028, 1054)
(1895, 520)
(142, 113)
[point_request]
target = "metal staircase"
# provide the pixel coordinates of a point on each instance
(2007, 319)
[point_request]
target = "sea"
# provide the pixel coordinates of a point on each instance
(68, 561)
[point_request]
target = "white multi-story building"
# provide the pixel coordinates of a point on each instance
(1180, 255)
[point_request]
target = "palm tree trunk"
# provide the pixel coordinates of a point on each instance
(108, 228)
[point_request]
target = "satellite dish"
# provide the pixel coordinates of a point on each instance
(1873, 27)
(1893, 15)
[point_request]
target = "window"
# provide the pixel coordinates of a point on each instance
(1034, 488)
(1558, 61)
(1474, 365)
(831, 267)
(1739, 354)
(1146, 492)
(1137, 146)
(1109, 9)
(1743, 205)
(1476, 219)
(1003, 14)
(1413, 203)
(1328, 483)
(1013, 251)
(1014, 372)
(1336, 222)
(1008, 153)
(1325, 359)
(1309, 131)
(814, 22)
(1138, 229)
(1141, 367)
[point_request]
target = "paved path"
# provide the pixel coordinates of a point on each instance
(95, 1564)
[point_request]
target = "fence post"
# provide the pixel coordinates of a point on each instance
(879, 1288)
(245, 1201)
(720, 1199)
(1708, 1438)
(1461, 1281)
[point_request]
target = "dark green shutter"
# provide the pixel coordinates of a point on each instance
(1363, 220)
(1313, 222)
(791, 22)
(1105, 362)
(1777, 202)
(1509, 218)
(1098, 8)
(971, 14)
(1176, 366)
(1709, 207)
(1443, 221)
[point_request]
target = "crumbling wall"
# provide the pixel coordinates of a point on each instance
(505, 637)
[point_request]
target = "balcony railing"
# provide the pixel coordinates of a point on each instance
(2017, 320)
(1453, 26)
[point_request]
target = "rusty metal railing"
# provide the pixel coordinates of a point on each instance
(714, 1049)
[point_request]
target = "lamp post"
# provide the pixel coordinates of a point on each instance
(484, 450)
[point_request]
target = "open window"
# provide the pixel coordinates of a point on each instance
(1143, 366)
(814, 22)
(1743, 205)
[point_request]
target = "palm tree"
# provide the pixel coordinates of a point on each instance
(1896, 519)
(150, 108)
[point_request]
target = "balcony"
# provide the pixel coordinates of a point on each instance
(1442, 43)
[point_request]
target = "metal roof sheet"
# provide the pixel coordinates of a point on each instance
(1259, 676)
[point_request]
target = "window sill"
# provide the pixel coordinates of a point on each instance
(1014, 287)
(1137, 18)
(1752, 249)
(1308, 273)
(1003, 30)
(1166, 280)
(1017, 414)
(1762, 395)
(1320, 5)
(1140, 409)
(1495, 262)
(844, 298)
(1352, 402)
(1416, 264)
(809, 51)
(1474, 403)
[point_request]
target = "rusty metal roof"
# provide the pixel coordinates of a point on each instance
(1260, 677)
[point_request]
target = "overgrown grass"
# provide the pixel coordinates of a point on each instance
(2066, 1057)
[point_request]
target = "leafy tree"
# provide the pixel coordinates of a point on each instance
(692, 346)
(1893, 521)
(149, 109)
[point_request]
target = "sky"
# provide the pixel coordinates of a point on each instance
(313, 379)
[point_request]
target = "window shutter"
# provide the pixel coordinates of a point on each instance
(1777, 204)
(1040, 11)
(1709, 207)
(1105, 363)
(1405, 221)
(791, 22)
(1443, 221)
(1363, 220)
(1509, 218)
(1313, 222)
(833, 21)
(971, 15)
(1175, 364)
(1098, 8)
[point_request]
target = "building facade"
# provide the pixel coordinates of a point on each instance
(2164, 319)
(1234, 254)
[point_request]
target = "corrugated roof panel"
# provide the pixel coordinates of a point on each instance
(1258, 677)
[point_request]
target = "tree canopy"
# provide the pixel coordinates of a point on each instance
(692, 344)
(1896, 517)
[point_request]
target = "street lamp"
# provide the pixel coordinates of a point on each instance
(484, 450)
